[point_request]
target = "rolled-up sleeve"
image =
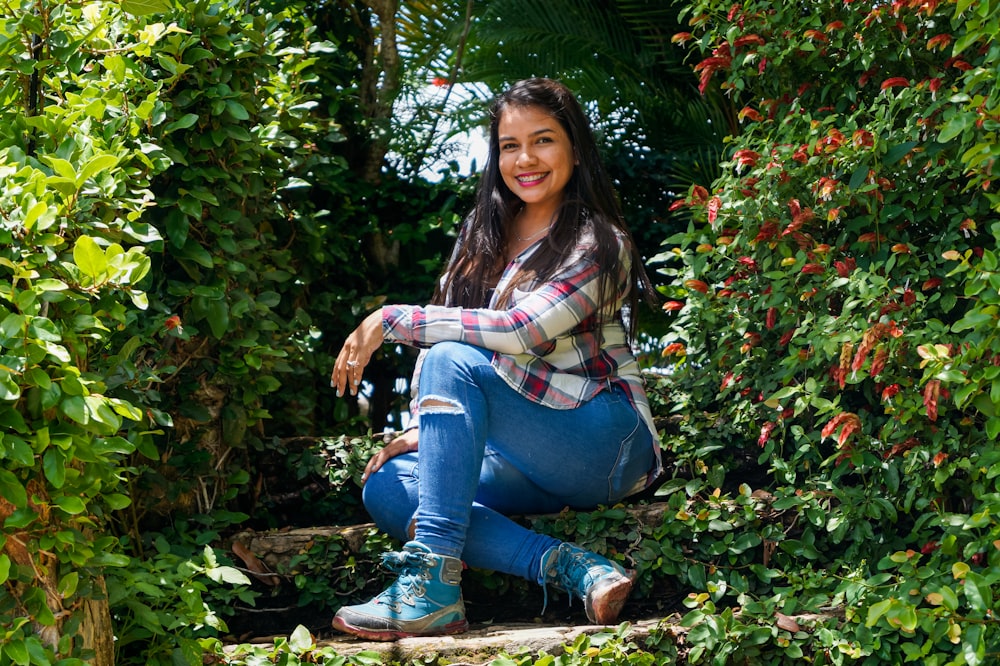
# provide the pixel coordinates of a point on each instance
(554, 308)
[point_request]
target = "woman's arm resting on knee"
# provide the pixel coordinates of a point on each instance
(405, 443)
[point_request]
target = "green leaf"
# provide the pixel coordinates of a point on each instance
(117, 501)
(191, 206)
(10, 390)
(54, 466)
(194, 251)
(68, 584)
(973, 320)
(948, 598)
(12, 490)
(34, 213)
(146, 7)
(18, 451)
(95, 166)
(898, 152)
(102, 412)
(237, 110)
(4, 568)
(71, 505)
(218, 318)
(300, 640)
(17, 652)
(958, 124)
(227, 575)
(977, 592)
(877, 610)
(75, 408)
(183, 122)
(61, 167)
(858, 177)
(89, 257)
(671, 486)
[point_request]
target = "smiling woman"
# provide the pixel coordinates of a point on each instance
(528, 398)
(536, 162)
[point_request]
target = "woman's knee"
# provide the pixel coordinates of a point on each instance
(390, 495)
(450, 355)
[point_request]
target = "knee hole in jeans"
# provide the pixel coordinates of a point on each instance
(434, 404)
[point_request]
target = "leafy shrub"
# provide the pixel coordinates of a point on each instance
(75, 274)
(835, 313)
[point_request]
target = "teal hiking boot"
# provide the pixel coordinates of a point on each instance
(425, 599)
(602, 584)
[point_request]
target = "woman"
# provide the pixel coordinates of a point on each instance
(528, 397)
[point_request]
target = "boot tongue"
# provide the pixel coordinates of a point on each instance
(412, 570)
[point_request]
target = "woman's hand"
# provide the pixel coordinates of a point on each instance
(355, 354)
(405, 443)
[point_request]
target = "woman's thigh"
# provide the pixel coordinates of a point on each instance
(580, 457)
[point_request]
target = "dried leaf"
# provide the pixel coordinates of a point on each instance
(787, 623)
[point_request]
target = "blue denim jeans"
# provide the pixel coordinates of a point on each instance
(487, 452)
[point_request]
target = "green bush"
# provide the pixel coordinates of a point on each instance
(835, 317)
(74, 267)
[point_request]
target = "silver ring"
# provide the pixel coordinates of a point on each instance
(352, 364)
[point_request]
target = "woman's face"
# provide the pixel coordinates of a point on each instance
(536, 156)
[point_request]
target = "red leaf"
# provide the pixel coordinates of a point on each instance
(878, 362)
(847, 422)
(674, 348)
(931, 394)
(771, 318)
(850, 427)
(896, 82)
(765, 433)
(814, 269)
(714, 204)
(939, 42)
(726, 381)
(699, 195)
(748, 40)
(696, 285)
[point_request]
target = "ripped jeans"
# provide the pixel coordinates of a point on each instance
(487, 452)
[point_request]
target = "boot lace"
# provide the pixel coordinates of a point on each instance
(412, 571)
(573, 571)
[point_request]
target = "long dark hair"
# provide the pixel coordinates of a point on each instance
(589, 204)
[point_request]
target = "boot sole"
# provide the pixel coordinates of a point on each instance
(372, 635)
(605, 603)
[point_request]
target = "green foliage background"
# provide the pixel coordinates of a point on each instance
(199, 201)
(836, 317)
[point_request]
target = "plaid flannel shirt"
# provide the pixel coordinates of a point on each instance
(547, 343)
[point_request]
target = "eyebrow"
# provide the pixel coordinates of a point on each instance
(544, 130)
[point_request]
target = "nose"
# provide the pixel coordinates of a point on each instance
(526, 156)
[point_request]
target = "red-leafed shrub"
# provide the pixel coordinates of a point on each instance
(861, 189)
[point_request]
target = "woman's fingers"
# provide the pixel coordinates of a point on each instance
(355, 354)
(347, 372)
(403, 444)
